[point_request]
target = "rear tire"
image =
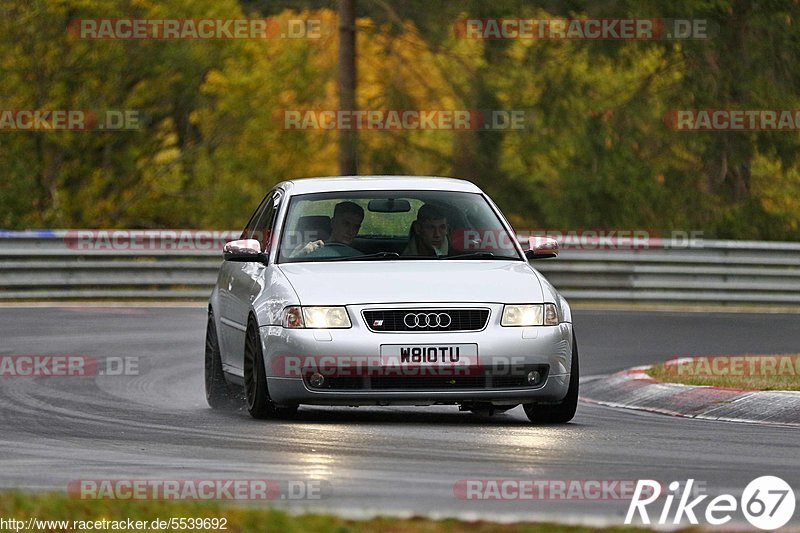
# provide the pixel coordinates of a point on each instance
(257, 399)
(218, 392)
(564, 411)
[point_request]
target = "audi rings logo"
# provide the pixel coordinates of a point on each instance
(427, 320)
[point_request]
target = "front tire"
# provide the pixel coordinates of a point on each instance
(564, 411)
(259, 404)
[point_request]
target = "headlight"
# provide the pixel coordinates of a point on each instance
(530, 315)
(316, 317)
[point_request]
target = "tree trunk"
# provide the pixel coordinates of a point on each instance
(348, 157)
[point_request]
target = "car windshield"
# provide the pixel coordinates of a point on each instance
(393, 225)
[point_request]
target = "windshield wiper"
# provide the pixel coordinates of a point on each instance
(481, 255)
(377, 255)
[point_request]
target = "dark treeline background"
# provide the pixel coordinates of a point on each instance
(596, 152)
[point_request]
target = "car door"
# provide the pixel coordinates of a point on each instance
(237, 286)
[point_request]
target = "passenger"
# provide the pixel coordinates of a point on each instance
(428, 233)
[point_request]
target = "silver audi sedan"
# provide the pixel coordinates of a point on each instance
(387, 290)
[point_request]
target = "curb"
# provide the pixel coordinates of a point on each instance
(634, 389)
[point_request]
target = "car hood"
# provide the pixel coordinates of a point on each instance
(365, 282)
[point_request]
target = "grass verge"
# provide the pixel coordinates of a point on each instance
(61, 507)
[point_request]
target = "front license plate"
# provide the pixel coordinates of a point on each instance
(429, 354)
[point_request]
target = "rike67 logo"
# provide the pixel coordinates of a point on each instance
(767, 502)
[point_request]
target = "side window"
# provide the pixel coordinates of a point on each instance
(266, 222)
(252, 224)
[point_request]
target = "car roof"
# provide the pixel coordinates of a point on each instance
(376, 183)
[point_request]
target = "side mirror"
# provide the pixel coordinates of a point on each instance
(243, 251)
(541, 248)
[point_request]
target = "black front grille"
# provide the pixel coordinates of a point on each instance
(429, 382)
(509, 382)
(342, 383)
(485, 379)
(414, 320)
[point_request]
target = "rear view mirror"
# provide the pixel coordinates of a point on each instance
(389, 205)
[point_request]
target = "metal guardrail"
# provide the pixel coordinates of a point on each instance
(58, 265)
(116, 265)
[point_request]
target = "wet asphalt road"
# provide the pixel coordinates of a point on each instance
(370, 460)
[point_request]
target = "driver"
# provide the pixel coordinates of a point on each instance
(428, 235)
(346, 221)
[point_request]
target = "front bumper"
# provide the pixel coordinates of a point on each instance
(545, 346)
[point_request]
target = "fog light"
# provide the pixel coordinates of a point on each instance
(533, 377)
(317, 380)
